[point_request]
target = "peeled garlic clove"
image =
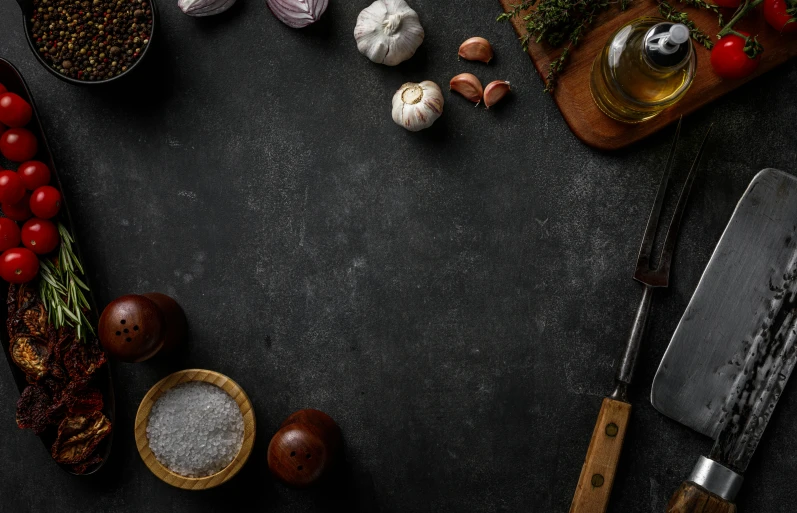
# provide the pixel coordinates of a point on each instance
(417, 106)
(388, 32)
(494, 92)
(468, 86)
(297, 13)
(476, 49)
(204, 7)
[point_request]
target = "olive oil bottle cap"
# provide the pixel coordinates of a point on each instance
(667, 45)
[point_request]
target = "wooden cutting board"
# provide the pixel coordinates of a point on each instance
(592, 126)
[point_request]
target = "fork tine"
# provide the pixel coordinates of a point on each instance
(645, 250)
(675, 223)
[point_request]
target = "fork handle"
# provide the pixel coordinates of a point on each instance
(597, 474)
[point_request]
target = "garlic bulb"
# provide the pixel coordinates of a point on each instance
(297, 13)
(204, 7)
(388, 32)
(417, 106)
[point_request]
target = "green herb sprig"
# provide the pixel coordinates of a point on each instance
(62, 288)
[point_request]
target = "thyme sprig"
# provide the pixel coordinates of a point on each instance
(62, 288)
(670, 13)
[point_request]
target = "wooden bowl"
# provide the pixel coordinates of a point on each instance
(184, 376)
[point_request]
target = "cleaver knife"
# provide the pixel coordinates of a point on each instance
(736, 344)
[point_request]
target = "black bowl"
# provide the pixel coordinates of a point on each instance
(27, 13)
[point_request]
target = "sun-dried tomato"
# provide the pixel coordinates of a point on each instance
(81, 468)
(81, 359)
(78, 436)
(30, 354)
(32, 408)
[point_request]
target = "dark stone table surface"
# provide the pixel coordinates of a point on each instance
(456, 299)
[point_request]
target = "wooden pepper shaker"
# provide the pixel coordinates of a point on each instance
(308, 444)
(136, 327)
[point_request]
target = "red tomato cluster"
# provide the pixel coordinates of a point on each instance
(728, 57)
(25, 195)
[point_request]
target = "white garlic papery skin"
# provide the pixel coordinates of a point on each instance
(417, 106)
(204, 7)
(388, 32)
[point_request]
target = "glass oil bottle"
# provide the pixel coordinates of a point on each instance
(646, 66)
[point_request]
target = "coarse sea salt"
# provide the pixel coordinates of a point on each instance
(195, 429)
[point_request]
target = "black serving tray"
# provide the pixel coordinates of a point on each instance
(11, 78)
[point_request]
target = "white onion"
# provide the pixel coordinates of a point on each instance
(297, 13)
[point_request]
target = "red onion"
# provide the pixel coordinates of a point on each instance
(297, 13)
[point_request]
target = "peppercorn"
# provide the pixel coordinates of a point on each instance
(76, 37)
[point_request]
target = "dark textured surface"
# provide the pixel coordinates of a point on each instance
(456, 299)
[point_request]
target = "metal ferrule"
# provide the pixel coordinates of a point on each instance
(717, 479)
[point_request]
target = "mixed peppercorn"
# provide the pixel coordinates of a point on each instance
(91, 39)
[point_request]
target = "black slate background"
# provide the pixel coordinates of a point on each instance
(456, 299)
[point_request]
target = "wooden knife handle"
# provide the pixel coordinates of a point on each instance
(692, 498)
(597, 475)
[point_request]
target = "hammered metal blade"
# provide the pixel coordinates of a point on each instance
(740, 292)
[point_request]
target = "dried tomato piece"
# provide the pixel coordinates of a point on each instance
(32, 408)
(78, 436)
(81, 359)
(85, 401)
(35, 320)
(81, 468)
(31, 355)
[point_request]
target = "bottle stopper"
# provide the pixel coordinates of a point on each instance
(667, 44)
(136, 327)
(308, 444)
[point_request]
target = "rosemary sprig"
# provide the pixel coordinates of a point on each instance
(61, 288)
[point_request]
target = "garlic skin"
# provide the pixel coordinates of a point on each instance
(297, 13)
(495, 91)
(388, 32)
(469, 86)
(204, 7)
(417, 106)
(476, 49)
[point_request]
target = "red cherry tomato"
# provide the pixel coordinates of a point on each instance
(34, 174)
(730, 4)
(9, 234)
(3, 89)
(18, 265)
(729, 60)
(11, 187)
(14, 111)
(40, 236)
(19, 211)
(18, 144)
(776, 15)
(45, 202)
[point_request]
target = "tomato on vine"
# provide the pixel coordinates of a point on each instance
(18, 265)
(777, 15)
(730, 56)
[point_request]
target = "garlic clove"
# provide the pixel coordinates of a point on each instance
(476, 49)
(417, 106)
(204, 7)
(468, 86)
(388, 32)
(297, 13)
(495, 91)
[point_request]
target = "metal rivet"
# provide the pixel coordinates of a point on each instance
(597, 480)
(612, 429)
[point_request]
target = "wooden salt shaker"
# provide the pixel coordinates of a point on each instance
(136, 327)
(307, 445)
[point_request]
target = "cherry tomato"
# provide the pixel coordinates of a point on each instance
(18, 144)
(19, 211)
(9, 234)
(18, 265)
(11, 187)
(730, 4)
(776, 15)
(729, 60)
(34, 174)
(45, 202)
(3, 89)
(40, 236)
(14, 111)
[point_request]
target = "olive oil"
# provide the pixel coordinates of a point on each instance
(646, 66)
